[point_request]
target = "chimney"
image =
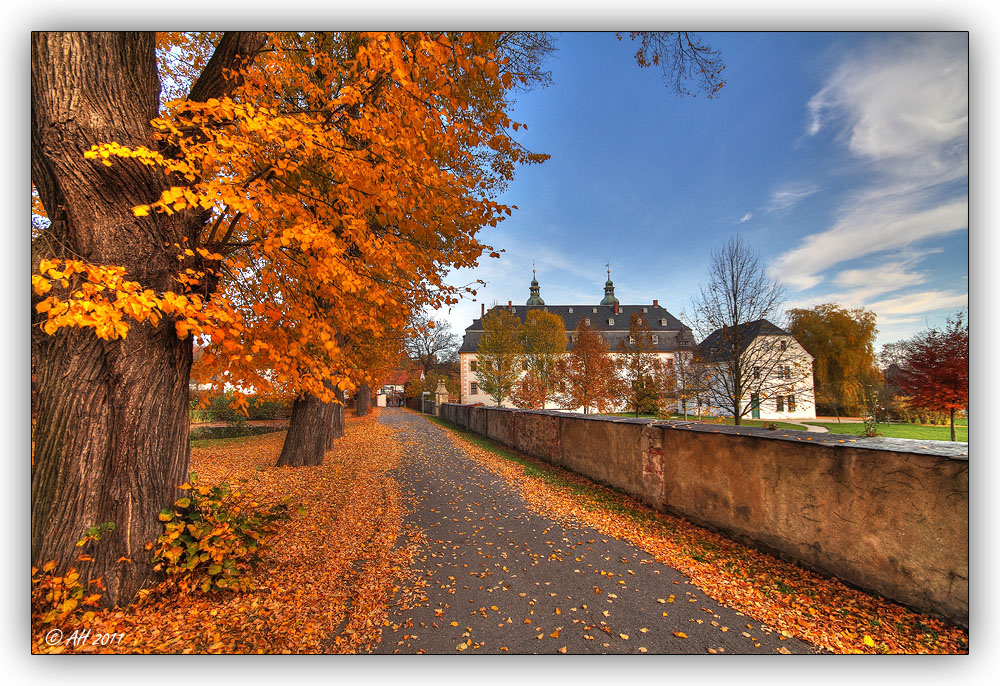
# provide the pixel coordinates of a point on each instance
(509, 304)
(656, 303)
(482, 311)
(616, 308)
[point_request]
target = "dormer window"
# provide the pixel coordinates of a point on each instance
(645, 309)
(571, 310)
(611, 321)
(587, 319)
(663, 322)
(595, 310)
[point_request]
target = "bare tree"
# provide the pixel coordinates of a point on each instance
(431, 344)
(745, 357)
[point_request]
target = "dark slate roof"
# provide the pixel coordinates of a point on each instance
(669, 335)
(713, 346)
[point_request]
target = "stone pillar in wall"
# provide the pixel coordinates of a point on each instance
(440, 397)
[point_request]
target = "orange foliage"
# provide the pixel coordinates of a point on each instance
(342, 179)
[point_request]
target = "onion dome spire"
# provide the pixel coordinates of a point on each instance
(535, 298)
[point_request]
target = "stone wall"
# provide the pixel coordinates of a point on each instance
(886, 515)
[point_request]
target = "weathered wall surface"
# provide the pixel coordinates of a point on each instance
(887, 515)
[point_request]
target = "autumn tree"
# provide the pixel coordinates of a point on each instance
(498, 357)
(588, 375)
(372, 175)
(641, 373)
(935, 369)
(543, 342)
(345, 171)
(744, 356)
(842, 344)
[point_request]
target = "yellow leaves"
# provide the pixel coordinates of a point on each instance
(868, 641)
(680, 634)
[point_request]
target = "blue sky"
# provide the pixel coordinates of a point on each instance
(842, 158)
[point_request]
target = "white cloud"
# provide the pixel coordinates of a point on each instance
(919, 303)
(788, 195)
(745, 218)
(901, 110)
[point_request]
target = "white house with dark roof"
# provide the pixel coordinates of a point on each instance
(776, 372)
(608, 318)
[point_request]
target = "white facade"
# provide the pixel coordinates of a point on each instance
(780, 382)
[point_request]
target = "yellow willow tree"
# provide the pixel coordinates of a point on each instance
(406, 142)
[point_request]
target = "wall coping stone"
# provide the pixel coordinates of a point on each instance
(946, 449)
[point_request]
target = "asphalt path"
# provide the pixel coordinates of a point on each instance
(503, 579)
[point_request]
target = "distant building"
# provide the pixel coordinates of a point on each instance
(778, 372)
(608, 318)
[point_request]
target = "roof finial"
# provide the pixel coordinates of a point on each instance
(608, 265)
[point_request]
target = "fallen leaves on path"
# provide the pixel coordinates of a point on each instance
(328, 579)
(791, 600)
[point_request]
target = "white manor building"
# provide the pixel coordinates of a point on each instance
(670, 337)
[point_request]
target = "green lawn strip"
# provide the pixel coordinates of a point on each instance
(226, 442)
(916, 431)
(759, 423)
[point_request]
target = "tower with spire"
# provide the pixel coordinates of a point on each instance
(535, 298)
(609, 290)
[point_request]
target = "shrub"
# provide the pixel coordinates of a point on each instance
(213, 536)
(219, 409)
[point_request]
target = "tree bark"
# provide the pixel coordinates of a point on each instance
(336, 412)
(308, 433)
(363, 400)
(111, 437)
(954, 437)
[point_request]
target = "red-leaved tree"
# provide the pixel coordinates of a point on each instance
(935, 369)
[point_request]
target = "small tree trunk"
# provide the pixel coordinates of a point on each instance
(306, 440)
(363, 401)
(953, 435)
(336, 412)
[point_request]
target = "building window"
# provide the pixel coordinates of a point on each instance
(473, 388)
(571, 310)
(784, 345)
(780, 403)
(473, 366)
(756, 372)
(663, 322)
(631, 340)
(595, 310)
(786, 372)
(587, 319)
(791, 403)
(524, 365)
(611, 321)
(645, 309)
(656, 339)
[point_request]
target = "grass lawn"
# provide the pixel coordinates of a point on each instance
(715, 420)
(917, 431)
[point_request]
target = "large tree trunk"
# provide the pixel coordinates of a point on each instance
(363, 400)
(111, 437)
(308, 433)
